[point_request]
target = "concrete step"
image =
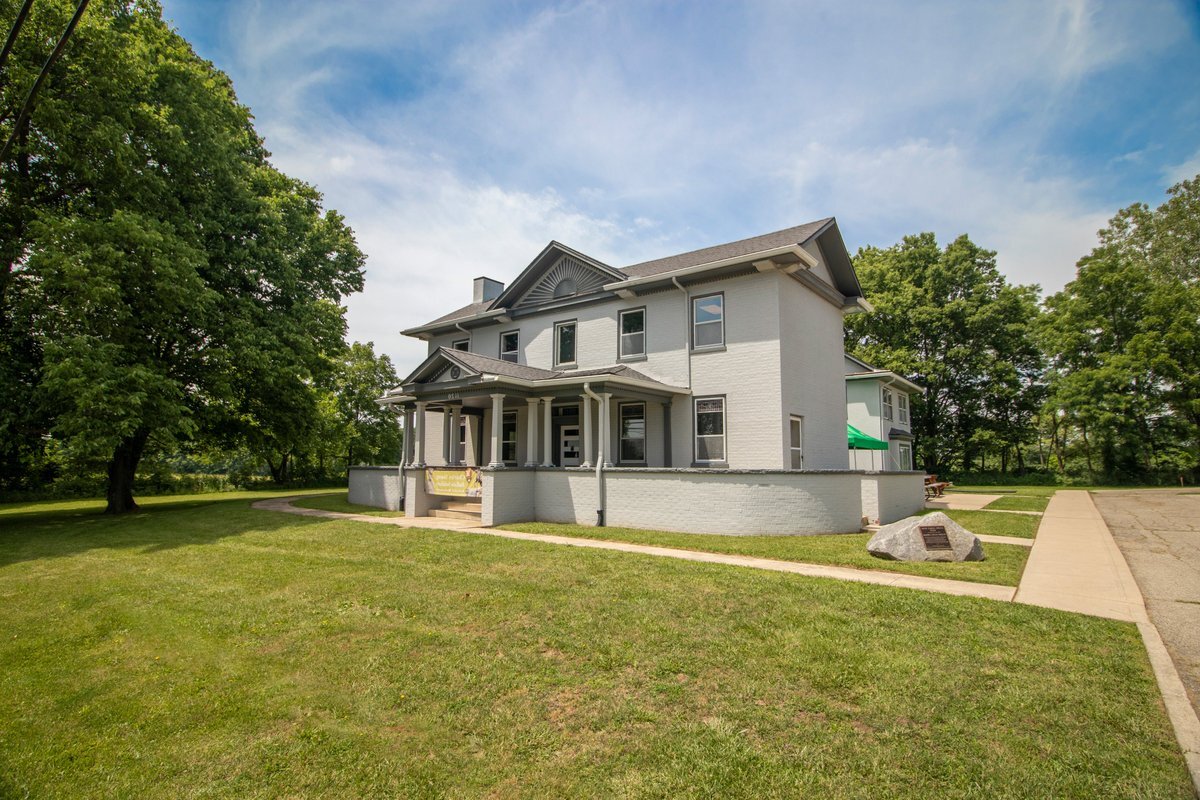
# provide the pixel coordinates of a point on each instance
(445, 513)
(473, 506)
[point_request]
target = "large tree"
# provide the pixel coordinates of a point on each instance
(1124, 345)
(159, 275)
(947, 319)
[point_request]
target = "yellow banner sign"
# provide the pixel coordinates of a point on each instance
(454, 482)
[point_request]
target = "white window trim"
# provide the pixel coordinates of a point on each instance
(721, 322)
(900, 448)
(557, 350)
(793, 448)
(902, 407)
(696, 432)
(621, 355)
(621, 439)
(516, 354)
(455, 345)
(516, 440)
(885, 403)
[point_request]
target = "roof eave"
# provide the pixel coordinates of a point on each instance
(633, 284)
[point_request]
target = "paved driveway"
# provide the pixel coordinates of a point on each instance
(1158, 531)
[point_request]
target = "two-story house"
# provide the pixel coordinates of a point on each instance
(703, 391)
(878, 403)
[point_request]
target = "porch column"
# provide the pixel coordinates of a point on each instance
(531, 425)
(419, 441)
(547, 435)
(666, 433)
(406, 455)
(585, 411)
(605, 430)
(497, 419)
(455, 425)
(446, 451)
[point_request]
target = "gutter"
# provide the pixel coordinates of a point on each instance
(587, 389)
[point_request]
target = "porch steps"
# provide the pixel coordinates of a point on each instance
(459, 509)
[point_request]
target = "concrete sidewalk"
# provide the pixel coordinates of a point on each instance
(878, 577)
(1075, 564)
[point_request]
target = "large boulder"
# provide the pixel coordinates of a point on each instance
(933, 537)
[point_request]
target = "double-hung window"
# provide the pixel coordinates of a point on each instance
(710, 429)
(708, 321)
(902, 407)
(633, 333)
(564, 343)
(508, 437)
(905, 457)
(887, 403)
(633, 433)
(510, 345)
(462, 344)
(796, 431)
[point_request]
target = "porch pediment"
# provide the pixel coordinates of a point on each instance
(441, 367)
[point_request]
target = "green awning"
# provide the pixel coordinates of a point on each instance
(860, 441)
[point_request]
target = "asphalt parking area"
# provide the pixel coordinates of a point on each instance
(1158, 531)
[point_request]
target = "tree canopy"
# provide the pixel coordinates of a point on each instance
(158, 277)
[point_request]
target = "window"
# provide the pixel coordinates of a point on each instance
(887, 403)
(633, 432)
(905, 457)
(708, 321)
(797, 442)
(902, 407)
(510, 343)
(462, 344)
(633, 333)
(508, 437)
(710, 429)
(564, 343)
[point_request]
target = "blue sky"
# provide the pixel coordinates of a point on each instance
(459, 137)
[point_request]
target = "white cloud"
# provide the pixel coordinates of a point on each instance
(1183, 172)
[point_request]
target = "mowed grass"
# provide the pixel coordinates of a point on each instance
(1019, 502)
(992, 524)
(1003, 565)
(341, 504)
(205, 649)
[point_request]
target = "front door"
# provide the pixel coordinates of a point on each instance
(568, 450)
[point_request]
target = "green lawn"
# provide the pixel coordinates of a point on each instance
(987, 522)
(338, 502)
(205, 649)
(1003, 565)
(1019, 502)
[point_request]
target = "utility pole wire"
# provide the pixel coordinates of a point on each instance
(27, 108)
(12, 34)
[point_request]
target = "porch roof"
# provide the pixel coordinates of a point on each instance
(435, 379)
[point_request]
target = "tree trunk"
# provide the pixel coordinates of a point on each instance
(121, 469)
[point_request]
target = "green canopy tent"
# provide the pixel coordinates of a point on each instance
(861, 441)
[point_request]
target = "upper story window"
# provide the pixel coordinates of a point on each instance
(708, 321)
(462, 344)
(710, 429)
(564, 343)
(510, 345)
(902, 407)
(887, 403)
(633, 333)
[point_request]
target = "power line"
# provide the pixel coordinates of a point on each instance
(12, 34)
(28, 106)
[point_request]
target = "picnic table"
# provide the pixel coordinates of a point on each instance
(934, 487)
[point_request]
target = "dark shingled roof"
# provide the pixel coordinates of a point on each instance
(496, 366)
(743, 247)
(462, 313)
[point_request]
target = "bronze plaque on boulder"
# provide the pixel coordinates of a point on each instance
(935, 537)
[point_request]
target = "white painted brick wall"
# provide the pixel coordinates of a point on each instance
(566, 496)
(899, 494)
(508, 496)
(734, 503)
(378, 487)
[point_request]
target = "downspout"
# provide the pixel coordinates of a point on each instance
(467, 332)
(687, 324)
(587, 389)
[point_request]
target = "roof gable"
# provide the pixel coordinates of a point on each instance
(557, 273)
(438, 368)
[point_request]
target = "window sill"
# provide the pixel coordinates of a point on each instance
(712, 348)
(567, 365)
(710, 465)
(627, 359)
